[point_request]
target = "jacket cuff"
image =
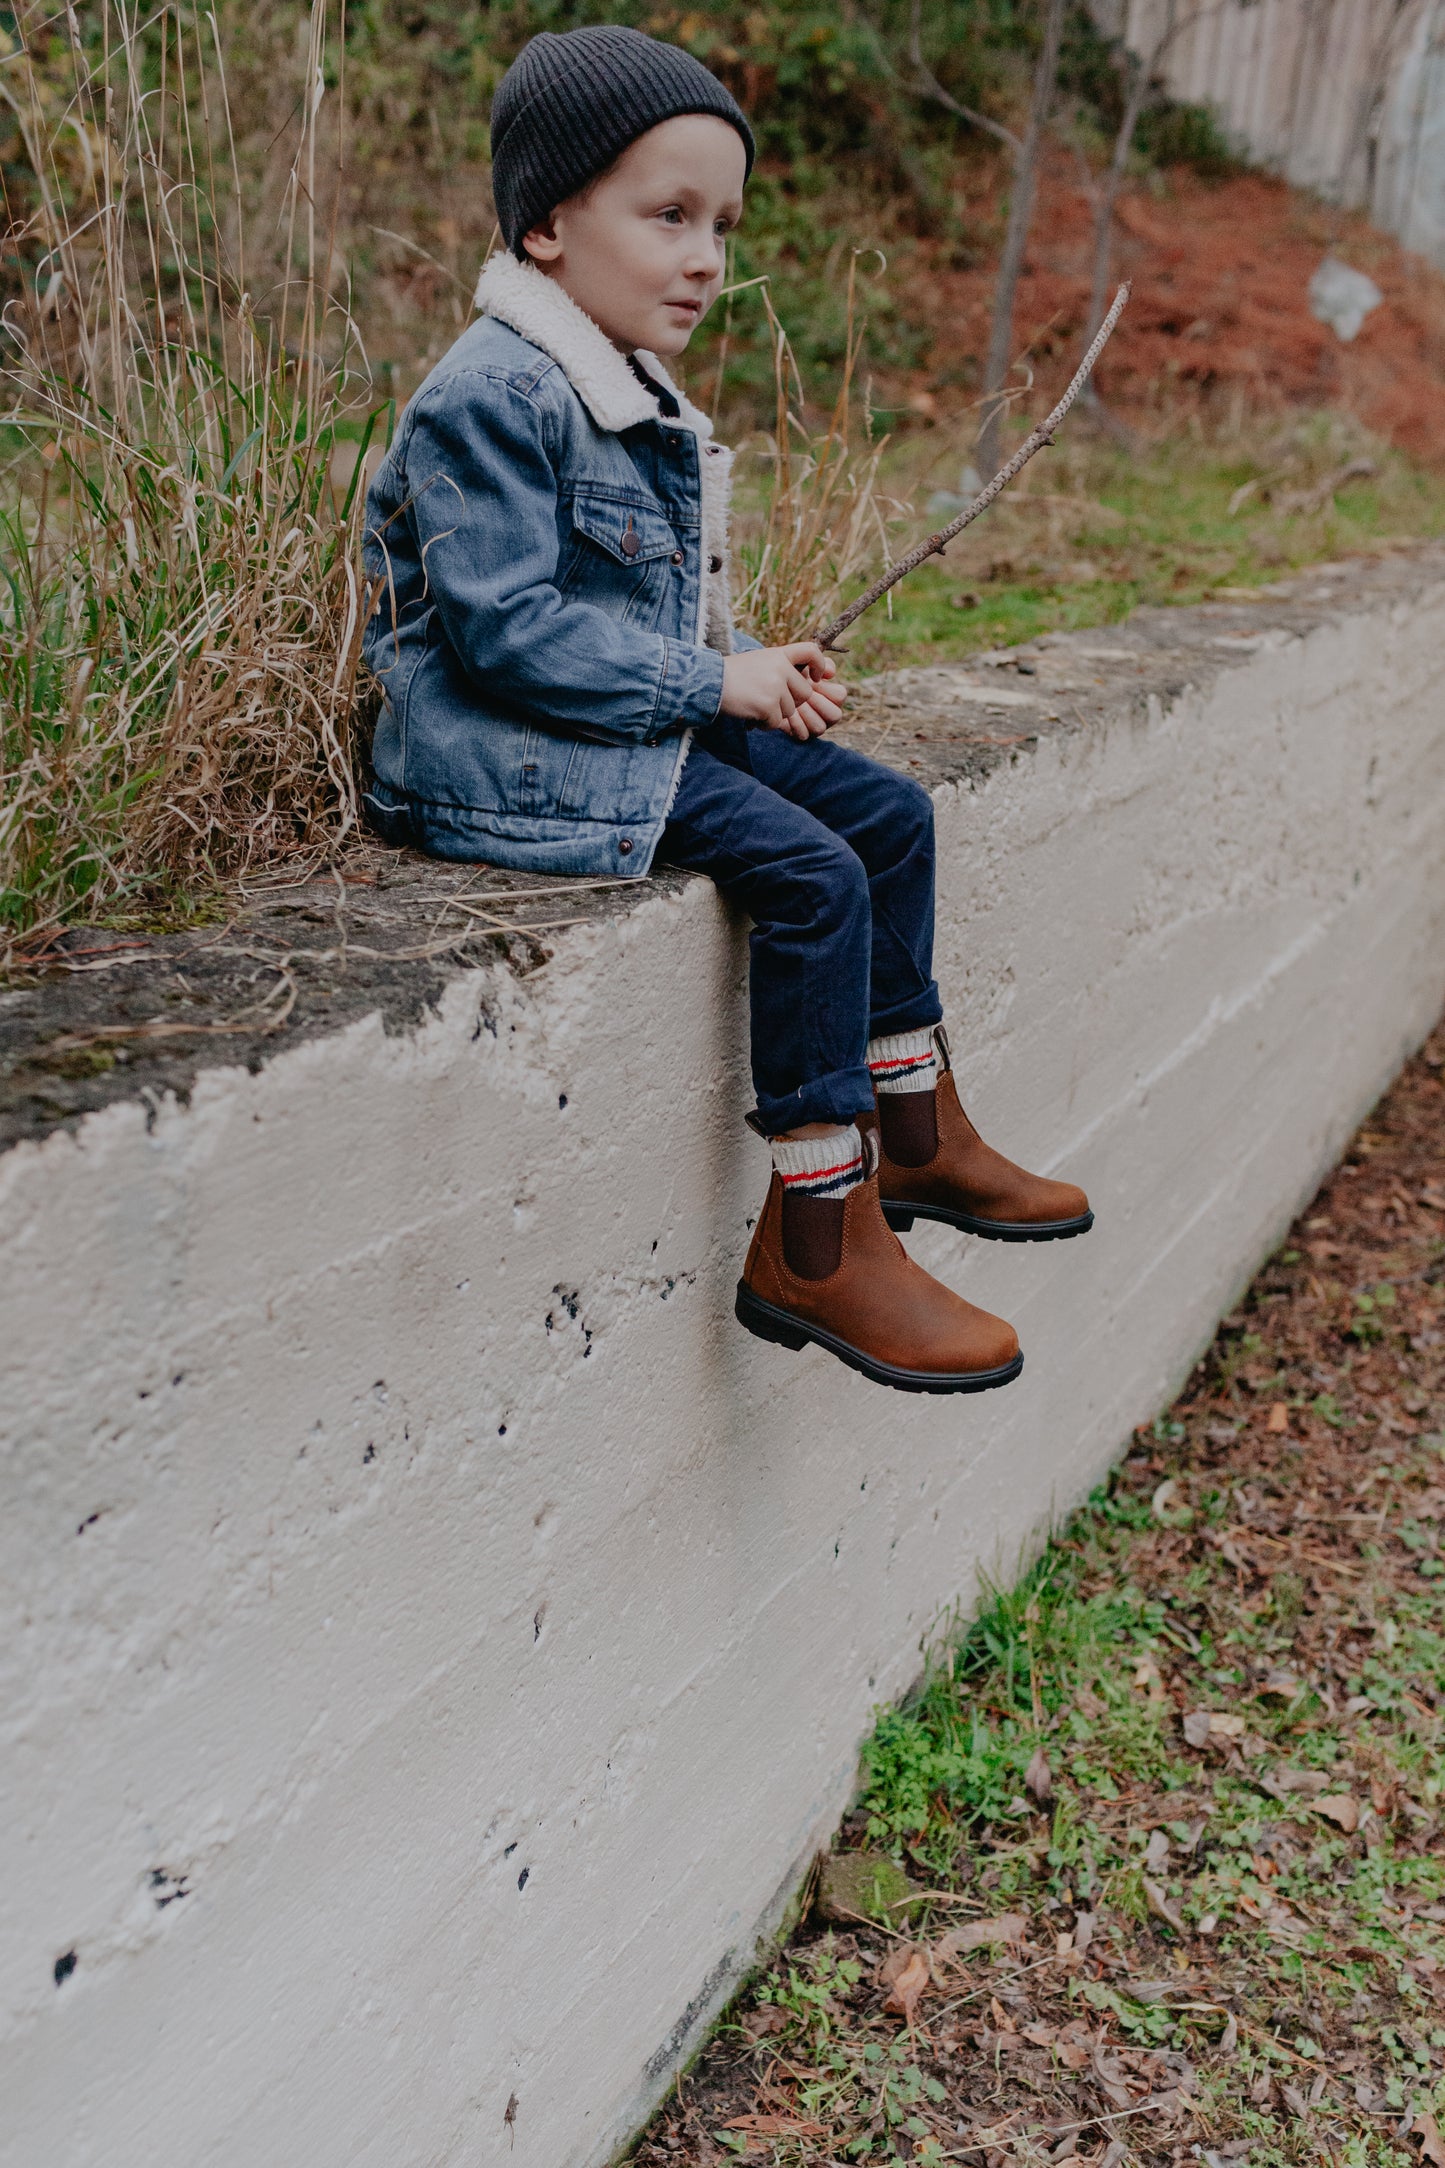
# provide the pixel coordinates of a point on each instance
(690, 691)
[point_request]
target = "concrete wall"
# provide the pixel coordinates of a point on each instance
(433, 1636)
(1343, 96)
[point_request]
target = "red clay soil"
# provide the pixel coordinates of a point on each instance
(1220, 314)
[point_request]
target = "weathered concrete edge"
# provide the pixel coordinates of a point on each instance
(1168, 655)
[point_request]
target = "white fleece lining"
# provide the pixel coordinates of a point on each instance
(538, 310)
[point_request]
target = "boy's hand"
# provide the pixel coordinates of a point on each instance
(783, 687)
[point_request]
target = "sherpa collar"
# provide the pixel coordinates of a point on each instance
(537, 308)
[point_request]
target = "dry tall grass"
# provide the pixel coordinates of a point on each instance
(822, 523)
(180, 611)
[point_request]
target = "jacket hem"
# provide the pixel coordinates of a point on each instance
(582, 847)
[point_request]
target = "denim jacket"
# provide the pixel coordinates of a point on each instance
(549, 534)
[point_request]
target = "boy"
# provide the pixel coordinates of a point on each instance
(564, 693)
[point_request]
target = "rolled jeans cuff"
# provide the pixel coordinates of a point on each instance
(839, 1097)
(919, 1012)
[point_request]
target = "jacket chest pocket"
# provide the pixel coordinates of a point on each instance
(622, 558)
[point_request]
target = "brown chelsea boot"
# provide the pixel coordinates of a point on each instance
(936, 1166)
(828, 1269)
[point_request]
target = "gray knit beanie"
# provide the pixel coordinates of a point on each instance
(572, 102)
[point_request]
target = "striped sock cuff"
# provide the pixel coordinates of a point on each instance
(904, 1063)
(820, 1166)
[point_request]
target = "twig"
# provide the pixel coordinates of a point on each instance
(937, 543)
(929, 84)
(1151, 2106)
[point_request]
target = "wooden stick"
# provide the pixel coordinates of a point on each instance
(936, 543)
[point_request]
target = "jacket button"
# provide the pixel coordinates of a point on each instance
(630, 544)
(677, 557)
(714, 564)
(625, 846)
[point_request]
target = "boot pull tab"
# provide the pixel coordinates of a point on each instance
(945, 1052)
(869, 1133)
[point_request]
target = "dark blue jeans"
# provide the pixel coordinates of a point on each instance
(831, 856)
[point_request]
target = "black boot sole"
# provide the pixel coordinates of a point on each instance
(780, 1326)
(900, 1218)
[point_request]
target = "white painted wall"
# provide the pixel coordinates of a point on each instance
(289, 1617)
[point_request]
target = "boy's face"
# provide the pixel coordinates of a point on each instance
(643, 250)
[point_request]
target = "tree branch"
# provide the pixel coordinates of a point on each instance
(937, 543)
(929, 84)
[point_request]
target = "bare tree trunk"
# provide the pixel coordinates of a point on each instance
(1020, 215)
(1142, 73)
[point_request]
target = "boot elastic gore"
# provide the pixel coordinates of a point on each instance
(780, 1326)
(900, 1218)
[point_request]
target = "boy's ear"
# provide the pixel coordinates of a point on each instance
(543, 244)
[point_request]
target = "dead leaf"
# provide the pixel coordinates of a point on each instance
(1085, 1924)
(1285, 1781)
(1341, 1807)
(1088, 1704)
(1039, 1778)
(1164, 1498)
(1283, 1683)
(1158, 1851)
(1196, 1728)
(1427, 2130)
(1229, 2038)
(1112, 2077)
(1161, 1906)
(1224, 1726)
(1041, 2036)
(909, 1985)
(1278, 1418)
(1147, 1678)
(895, 1961)
(981, 1935)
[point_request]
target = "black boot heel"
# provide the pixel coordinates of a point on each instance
(767, 1323)
(899, 1218)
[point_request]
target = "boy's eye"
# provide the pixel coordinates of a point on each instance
(673, 214)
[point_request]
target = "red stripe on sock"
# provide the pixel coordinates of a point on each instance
(823, 1174)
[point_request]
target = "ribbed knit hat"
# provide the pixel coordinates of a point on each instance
(572, 102)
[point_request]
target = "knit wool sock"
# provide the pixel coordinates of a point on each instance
(906, 1062)
(820, 1166)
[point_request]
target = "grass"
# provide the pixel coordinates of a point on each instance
(1191, 1767)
